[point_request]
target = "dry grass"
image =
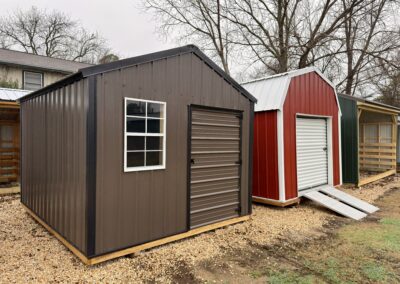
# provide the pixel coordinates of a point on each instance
(30, 253)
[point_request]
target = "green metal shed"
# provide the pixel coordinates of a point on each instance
(369, 140)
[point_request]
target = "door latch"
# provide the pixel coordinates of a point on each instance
(325, 149)
(192, 161)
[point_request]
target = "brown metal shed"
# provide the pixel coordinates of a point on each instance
(132, 154)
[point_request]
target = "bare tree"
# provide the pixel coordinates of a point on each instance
(50, 33)
(199, 21)
(107, 58)
(388, 85)
(369, 42)
(287, 34)
(348, 40)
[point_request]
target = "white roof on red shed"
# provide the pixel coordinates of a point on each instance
(7, 94)
(271, 91)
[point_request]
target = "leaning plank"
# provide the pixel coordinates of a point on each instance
(376, 177)
(335, 205)
(134, 249)
(349, 199)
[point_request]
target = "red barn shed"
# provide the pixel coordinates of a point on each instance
(296, 136)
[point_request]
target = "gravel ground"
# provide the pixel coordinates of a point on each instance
(29, 253)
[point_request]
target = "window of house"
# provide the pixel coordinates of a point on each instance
(145, 123)
(33, 80)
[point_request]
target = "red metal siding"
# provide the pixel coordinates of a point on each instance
(265, 155)
(307, 94)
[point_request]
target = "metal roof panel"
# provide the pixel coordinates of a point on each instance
(7, 94)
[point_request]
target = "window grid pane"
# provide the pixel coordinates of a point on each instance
(153, 153)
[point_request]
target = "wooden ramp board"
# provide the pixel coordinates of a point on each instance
(349, 200)
(335, 205)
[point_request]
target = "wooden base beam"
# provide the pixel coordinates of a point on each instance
(376, 177)
(138, 248)
(9, 190)
(276, 202)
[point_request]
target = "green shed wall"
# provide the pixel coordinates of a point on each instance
(349, 137)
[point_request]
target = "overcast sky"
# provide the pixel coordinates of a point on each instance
(128, 30)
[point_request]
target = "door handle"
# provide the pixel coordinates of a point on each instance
(325, 149)
(192, 161)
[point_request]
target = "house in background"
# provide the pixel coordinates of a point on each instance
(21, 73)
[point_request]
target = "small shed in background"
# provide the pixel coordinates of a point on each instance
(128, 155)
(296, 136)
(369, 140)
(9, 134)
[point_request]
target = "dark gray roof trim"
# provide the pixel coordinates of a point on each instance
(107, 67)
(369, 102)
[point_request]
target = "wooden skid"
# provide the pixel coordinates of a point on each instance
(276, 202)
(135, 249)
(376, 177)
(9, 190)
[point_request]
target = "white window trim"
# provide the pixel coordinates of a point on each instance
(126, 134)
(41, 78)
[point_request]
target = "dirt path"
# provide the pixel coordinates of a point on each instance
(273, 245)
(346, 252)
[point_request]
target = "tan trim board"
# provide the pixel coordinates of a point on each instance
(9, 105)
(135, 249)
(166, 240)
(9, 190)
(376, 108)
(276, 202)
(376, 177)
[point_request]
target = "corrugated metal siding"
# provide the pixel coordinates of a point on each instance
(215, 166)
(349, 138)
(137, 207)
(265, 155)
(307, 94)
(269, 93)
(312, 155)
(53, 160)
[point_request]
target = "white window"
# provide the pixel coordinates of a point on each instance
(145, 123)
(33, 80)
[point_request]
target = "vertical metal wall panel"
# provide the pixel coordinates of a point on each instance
(265, 155)
(215, 166)
(308, 94)
(311, 152)
(349, 138)
(53, 129)
(137, 207)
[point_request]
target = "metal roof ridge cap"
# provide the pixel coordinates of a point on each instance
(291, 73)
